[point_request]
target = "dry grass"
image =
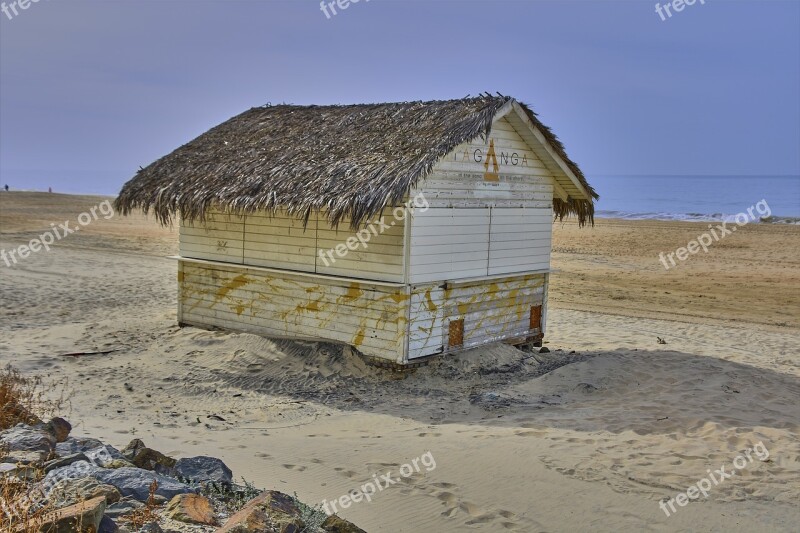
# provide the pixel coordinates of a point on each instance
(28, 400)
(144, 515)
(25, 400)
(18, 513)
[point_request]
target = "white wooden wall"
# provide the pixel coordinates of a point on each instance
(476, 227)
(280, 241)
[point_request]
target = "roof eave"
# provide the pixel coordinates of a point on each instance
(514, 106)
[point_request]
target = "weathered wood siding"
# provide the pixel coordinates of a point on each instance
(481, 224)
(381, 258)
(492, 310)
(371, 317)
(281, 241)
(219, 238)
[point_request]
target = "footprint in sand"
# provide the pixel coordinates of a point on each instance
(530, 433)
(346, 473)
(295, 467)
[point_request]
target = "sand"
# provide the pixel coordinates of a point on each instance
(590, 440)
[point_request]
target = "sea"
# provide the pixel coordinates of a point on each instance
(698, 198)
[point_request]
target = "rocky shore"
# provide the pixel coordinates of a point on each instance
(55, 482)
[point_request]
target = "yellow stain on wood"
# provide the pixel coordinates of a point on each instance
(236, 283)
(354, 292)
(399, 297)
(239, 308)
(358, 340)
(310, 306)
(180, 276)
(431, 306)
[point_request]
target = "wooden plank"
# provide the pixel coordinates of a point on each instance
(424, 273)
(445, 181)
(373, 347)
(420, 242)
(435, 249)
(501, 239)
(210, 256)
(328, 327)
(210, 233)
(254, 287)
(229, 272)
(275, 234)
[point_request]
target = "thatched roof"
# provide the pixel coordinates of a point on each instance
(347, 160)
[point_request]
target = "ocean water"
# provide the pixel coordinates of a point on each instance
(697, 198)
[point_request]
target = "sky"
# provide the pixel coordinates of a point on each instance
(92, 90)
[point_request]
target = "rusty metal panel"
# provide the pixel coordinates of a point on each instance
(536, 317)
(456, 333)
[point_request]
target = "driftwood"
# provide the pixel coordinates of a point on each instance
(78, 354)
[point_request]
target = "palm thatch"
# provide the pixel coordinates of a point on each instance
(350, 161)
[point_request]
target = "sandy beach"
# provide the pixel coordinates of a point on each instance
(590, 436)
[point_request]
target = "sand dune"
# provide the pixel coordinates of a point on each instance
(590, 436)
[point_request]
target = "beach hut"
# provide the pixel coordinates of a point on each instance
(403, 230)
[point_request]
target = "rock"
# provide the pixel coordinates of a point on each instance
(267, 512)
(105, 456)
(77, 445)
(204, 469)
(136, 482)
(82, 517)
(64, 461)
(123, 507)
(72, 491)
(76, 470)
(191, 509)
(143, 457)
(24, 438)
(24, 458)
(544, 349)
(152, 527)
(119, 463)
(107, 526)
(18, 471)
(133, 447)
(59, 428)
(334, 524)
